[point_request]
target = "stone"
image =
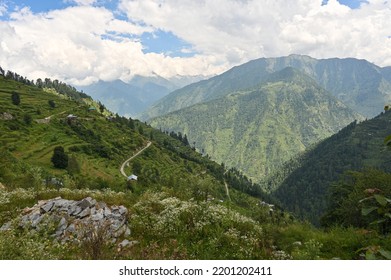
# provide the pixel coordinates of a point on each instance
(6, 116)
(86, 212)
(86, 203)
(71, 228)
(6, 226)
(62, 225)
(124, 243)
(107, 212)
(47, 207)
(74, 210)
(122, 210)
(101, 205)
(73, 218)
(97, 217)
(35, 219)
(127, 232)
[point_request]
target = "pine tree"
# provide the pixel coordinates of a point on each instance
(59, 158)
(15, 98)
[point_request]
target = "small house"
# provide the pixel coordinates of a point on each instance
(132, 178)
(71, 117)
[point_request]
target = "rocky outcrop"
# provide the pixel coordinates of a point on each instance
(77, 220)
(6, 116)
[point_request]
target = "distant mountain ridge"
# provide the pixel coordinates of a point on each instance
(131, 98)
(257, 130)
(361, 85)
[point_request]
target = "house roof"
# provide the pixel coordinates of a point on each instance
(132, 177)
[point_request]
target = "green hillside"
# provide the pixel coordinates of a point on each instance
(183, 206)
(361, 85)
(256, 131)
(357, 147)
(96, 145)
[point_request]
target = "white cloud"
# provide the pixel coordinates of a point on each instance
(239, 30)
(81, 2)
(3, 9)
(85, 43)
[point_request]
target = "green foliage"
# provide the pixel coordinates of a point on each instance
(304, 191)
(27, 119)
(59, 158)
(52, 104)
(257, 130)
(205, 230)
(15, 97)
(360, 200)
(380, 208)
(73, 166)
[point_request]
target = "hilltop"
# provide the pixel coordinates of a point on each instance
(359, 84)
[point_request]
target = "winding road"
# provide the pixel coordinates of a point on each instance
(132, 157)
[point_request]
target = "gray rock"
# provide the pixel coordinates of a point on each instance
(127, 232)
(35, 219)
(97, 217)
(123, 210)
(107, 212)
(124, 243)
(6, 226)
(74, 210)
(84, 213)
(47, 207)
(75, 217)
(62, 225)
(86, 203)
(63, 204)
(71, 228)
(101, 205)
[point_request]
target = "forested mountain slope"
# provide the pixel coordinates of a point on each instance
(257, 130)
(356, 147)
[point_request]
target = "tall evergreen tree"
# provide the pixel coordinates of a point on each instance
(59, 158)
(15, 98)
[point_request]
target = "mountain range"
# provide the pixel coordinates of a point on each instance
(131, 98)
(257, 130)
(359, 84)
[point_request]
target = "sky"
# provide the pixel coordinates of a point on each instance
(84, 41)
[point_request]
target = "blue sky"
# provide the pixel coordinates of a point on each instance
(82, 41)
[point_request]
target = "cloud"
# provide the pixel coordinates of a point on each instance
(3, 8)
(83, 44)
(87, 42)
(238, 30)
(81, 2)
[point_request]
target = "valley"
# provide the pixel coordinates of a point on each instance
(235, 173)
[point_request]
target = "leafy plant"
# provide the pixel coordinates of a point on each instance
(379, 207)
